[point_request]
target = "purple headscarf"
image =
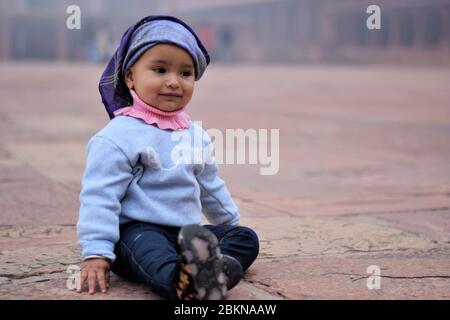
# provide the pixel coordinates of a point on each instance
(113, 90)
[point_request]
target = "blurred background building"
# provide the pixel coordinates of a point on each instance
(281, 31)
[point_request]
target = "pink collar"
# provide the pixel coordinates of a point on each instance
(173, 120)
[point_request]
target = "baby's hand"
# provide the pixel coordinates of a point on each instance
(94, 270)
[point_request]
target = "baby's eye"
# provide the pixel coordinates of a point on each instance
(159, 70)
(186, 73)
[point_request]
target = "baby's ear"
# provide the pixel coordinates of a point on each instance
(129, 79)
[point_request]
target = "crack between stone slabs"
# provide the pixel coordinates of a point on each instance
(303, 254)
(26, 227)
(38, 225)
(429, 209)
(352, 275)
(275, 293)
(290, 214)
(46, 276)
(351, 250)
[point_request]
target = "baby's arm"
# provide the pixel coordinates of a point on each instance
(107, 176)
(217, 204)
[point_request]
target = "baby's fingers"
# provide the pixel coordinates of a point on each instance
(83, 277)
(101, 276)
(92, 276)
(107, 280)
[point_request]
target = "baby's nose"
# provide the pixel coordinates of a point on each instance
(172, 81)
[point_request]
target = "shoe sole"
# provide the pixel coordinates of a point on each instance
(233, 271)
(200, 252)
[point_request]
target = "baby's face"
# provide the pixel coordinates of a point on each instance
(163, 77)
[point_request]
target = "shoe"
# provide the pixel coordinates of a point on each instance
(233, 271)
(201, 273)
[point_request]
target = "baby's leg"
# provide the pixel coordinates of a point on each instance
(237, 241)
(147, 253)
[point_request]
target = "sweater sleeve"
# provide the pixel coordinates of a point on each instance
(217, 204)
(106, 178)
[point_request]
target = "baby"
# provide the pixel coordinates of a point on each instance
(145, 186)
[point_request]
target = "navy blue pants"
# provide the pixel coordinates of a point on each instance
(147, 253)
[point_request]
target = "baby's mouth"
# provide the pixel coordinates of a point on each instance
(171, 95)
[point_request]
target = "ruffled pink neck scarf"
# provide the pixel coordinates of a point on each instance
(173, 120)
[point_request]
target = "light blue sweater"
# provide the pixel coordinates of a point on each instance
(136, 171)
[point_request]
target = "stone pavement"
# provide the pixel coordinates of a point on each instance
(364, 178)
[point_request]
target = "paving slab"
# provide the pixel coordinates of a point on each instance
(297, 237)
(347, 277)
